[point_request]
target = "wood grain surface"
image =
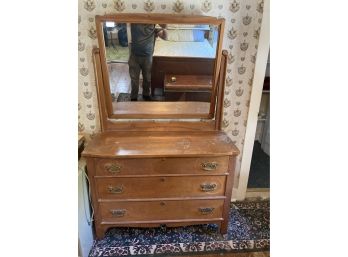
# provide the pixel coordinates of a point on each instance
(162, 110)
(186, 83)
(161, 210)
(161, 166)
(160, 144)
(150, 187)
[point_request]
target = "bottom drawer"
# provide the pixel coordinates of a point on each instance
(161, 210)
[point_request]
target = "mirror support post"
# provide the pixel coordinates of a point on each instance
(100, 89)
(220, 90)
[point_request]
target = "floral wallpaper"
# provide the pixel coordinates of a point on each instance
(242, 30)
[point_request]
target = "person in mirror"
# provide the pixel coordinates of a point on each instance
(140, 59)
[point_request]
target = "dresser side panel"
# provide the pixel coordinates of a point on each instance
(228, 194)
(91, 171)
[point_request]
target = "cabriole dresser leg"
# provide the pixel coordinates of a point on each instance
(99, 232)
(224, 227)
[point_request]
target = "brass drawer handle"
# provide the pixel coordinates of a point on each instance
(112, 168)
(115, 189)
(208, 187)
(118, 212)
(206, 211)
(209, 166)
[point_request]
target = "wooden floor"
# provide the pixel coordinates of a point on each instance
(251, 254)
(120, 81)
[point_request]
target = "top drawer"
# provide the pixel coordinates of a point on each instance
(201, 166)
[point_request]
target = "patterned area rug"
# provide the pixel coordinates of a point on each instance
(248, 230)
(125, 97)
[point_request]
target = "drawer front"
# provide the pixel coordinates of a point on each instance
(206, 165)
(161, 210)
(160, 187)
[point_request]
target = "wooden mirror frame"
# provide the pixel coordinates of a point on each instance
(157, 19)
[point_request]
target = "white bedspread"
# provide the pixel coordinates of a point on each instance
(184, 49)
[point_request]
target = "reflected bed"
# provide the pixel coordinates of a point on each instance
(183, 49)
(187, 51)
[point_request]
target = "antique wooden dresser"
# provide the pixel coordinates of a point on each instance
(174, 169)
(160, 178)
(154, 174)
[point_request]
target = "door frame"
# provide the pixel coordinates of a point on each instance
(240, 192)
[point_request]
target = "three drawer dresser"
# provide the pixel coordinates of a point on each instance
(144, 179)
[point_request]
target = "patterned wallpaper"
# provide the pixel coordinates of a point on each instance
(242, 29)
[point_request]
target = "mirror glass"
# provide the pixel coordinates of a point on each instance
(153, 67)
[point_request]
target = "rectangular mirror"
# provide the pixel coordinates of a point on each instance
(159, 67)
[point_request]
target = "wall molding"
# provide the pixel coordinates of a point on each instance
(255, 100)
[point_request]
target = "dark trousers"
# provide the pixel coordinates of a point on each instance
(137, 64)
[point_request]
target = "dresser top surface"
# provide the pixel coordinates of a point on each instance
(160, 144)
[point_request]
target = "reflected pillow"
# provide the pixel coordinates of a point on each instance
(198, 35)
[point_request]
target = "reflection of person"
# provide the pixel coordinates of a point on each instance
(143, 41)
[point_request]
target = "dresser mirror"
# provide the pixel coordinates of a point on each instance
(159, 66)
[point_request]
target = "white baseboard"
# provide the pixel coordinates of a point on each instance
(263, 193)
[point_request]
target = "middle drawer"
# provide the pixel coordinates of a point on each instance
(160, 187)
